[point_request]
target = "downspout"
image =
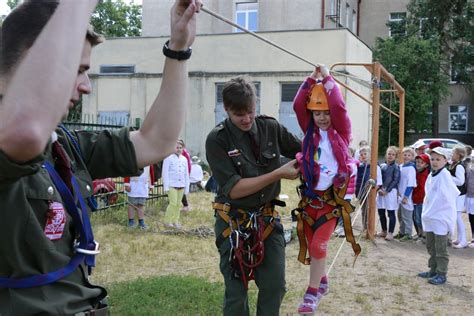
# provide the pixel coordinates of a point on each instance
(322, 13)
(358, 16)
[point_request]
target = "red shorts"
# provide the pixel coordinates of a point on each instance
(319, 239)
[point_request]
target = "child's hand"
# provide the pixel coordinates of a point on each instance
(323, 70)
(405, 200)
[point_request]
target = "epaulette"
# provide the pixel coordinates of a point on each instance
(219, 127)
(263, 116)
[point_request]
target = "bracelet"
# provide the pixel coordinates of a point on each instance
(176, 54)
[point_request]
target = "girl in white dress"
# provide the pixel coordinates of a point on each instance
(387, 194)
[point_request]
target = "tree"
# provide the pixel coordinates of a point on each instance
(117, 19)
(415, 63)
(451, 25)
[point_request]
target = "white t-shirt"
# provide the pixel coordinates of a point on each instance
(139, 186)
(196, 174)
(407, 179)
(439, 206)
(327, 162)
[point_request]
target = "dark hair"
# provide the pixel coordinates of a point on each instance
(23, 25)
(239, 94)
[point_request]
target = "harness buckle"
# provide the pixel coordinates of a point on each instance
(89, 252)
(336, 212)
(317, 207)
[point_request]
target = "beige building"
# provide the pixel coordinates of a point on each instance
(126, 75)
(455, 109)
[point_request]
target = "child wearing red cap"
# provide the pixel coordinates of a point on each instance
(422, 171)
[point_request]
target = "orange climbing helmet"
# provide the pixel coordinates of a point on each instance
(317, 98)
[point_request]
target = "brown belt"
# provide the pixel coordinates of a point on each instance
(102, 311)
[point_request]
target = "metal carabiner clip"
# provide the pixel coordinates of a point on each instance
(89, 252)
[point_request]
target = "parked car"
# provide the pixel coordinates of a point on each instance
(105, 192)
(448, 143)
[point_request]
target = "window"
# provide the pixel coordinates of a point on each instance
(458, 118)
(354, 21)
(348, 15)
(219, 111)
(287, 116)
(246, 15)
(117, 69)
(396, 24)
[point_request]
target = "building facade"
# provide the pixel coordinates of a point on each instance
(126, 76)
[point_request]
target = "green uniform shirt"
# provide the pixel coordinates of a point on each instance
(229, 154)
(25, 193)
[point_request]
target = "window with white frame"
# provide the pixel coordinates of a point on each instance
(246, 15)
(219, 112)
(397, 24)
(458, 118)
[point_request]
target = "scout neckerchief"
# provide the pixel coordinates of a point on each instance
(91, 199)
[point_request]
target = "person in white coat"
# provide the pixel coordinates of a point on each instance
(438, 216)
(176, 183)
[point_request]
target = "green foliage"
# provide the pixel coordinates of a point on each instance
(415, 63)
(12, 3)
(168, 295)
(451, 24)
(117, 19)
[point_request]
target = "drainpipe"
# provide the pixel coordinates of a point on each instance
(322, 13)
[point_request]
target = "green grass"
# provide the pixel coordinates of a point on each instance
(168, 295)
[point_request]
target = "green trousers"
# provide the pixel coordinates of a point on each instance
(437, 246)
(269, 277)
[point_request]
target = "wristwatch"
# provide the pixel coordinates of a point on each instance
(176, 54)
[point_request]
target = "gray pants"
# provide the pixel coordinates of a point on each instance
(269, 277)
(437, 246)
(406, 221)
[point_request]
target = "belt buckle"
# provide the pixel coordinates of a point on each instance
(89, 252)
(336, 212)
(317, 207)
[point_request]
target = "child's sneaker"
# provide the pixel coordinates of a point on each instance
(389, 236)
(309, 305)
(143, 226)
(427, 274)
(381, 234)
(460, 245)
(471, 245)
(437, 279)
(406, 238)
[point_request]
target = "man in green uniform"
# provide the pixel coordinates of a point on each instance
(244, 155)
(46, 243)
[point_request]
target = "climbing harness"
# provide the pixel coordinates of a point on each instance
(246, 234)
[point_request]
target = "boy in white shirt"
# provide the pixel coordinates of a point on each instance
(438, 216)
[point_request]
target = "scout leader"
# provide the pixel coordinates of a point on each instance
(244, 155)
(46, 243)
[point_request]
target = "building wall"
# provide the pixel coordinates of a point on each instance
(273, 15)
(374, 17)
(216, 59)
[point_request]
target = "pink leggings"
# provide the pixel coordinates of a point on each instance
(318, 240)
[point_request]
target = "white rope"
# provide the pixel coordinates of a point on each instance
(367, 188)
(224, 19)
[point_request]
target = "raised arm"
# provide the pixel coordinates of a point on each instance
(299, 103)
(339, 117)
(37, 92)
(157, 137)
